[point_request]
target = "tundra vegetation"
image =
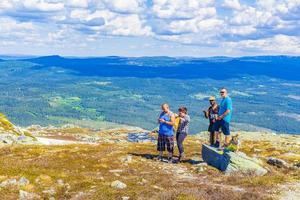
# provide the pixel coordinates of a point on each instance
(111, 167)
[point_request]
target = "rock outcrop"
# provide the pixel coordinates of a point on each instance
(11, 134)
(231, 162)
(140, 137)
(241, 163)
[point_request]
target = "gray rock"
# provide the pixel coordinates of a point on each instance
(231, 162)
(126, 159)
(25, 140)
(79, 195)
(140, 137)
(51, 191)
(243, 164)
(60, 182)
(118, 185)
(9, 182)
(277, 162)
(23, 181)
(8, 139)
(23, 195)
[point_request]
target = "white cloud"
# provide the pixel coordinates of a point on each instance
(77, 3)
(9, 26)
(280, 44)
(5, 4)
(128, 26)
(180, 9)
(264, 26)
(232, 4)
(128, 6)
(18, 31)
(40, 5)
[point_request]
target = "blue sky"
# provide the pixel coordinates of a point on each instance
(150, 27)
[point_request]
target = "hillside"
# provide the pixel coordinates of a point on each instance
(11, 134)
(54, 90)
(106, 165)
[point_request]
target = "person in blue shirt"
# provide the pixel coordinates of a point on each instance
(224, 118)
(165, 139)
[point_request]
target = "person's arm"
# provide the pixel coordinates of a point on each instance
(172, 122)
(159, 120)
(206, 113)
(227, 111)
(225, 114)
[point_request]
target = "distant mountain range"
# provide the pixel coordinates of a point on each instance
(283, 67)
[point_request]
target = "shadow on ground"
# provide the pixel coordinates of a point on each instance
(154, 158)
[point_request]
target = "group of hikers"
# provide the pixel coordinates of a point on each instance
(219, 116)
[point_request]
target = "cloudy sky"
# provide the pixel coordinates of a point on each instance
(150, 27)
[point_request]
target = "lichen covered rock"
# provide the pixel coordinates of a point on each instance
(231, 162)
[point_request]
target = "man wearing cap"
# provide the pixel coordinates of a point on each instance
(212, 114)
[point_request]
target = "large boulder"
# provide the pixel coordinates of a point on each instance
(212, 156)
(231, 162)
(241, 163)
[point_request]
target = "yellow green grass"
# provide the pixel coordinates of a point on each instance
(86, 168)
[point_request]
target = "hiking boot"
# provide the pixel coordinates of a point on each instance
(159, 158)
(217, 144)
(170, 160)
(181, 157)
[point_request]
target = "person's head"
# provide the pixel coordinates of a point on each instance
(182, 111)
(212, 100)
(223, 92)
(165, 107)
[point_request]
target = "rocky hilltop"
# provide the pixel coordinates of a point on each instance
(11, 134)
(72, 162)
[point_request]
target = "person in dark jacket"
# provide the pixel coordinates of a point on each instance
(212, 114)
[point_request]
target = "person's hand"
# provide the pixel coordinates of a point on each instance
(213, 120)
(162, 121)
(219, 118)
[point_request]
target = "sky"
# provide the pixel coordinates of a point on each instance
(197, 28)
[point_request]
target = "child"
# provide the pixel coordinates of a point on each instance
(182, 130)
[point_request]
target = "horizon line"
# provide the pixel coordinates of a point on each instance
(146, 56)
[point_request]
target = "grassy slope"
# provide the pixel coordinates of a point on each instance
(86, 168)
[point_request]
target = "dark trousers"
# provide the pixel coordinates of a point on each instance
(180, 138)
(212, 138)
